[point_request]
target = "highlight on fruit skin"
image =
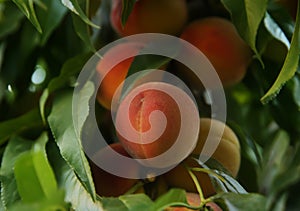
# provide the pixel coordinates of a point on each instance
(227, 154)
(107, 184)
(218, 39)
(156, 118)
(150, 16)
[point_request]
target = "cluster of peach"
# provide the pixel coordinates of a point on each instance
(220, 42)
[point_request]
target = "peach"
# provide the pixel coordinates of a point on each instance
(107, 184)
(149, 121)
(193, 199)
(117, 74)
(150, 16)
(219, 41)
(227, 154)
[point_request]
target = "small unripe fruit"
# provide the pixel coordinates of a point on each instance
(227, 154)
(219, 41)
(150, 16)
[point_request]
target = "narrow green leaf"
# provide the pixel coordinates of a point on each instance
(34, 176)
(83, 31)
(50, 17)
(10, 19)
(74, 6)
(113, 204)
(76, 193)
(127, 6)
(290, 65)
(61, 124)
(247, 16)
(27, 8)
(241, 202)
(15, 148)
(70, 69)
(169, 198)
(19, 124)
(136, 202)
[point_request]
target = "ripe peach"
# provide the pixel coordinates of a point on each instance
(227, 153)
(150, 16)
(220, 42)
(116, 74)
(149, 121)
(194, 200)
(107, 184)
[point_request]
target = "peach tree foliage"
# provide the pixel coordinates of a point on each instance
(41, 170)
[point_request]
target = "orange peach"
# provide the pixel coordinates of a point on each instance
(155, 116)
(227, 154)
(194, 200)
(219, 41)
(107, 184)
(117, 74)
(150, 16)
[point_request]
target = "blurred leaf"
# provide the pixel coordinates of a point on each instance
(76, 193)
(61, 124)
(10, 20)
(275, 30)
(19, 124)
(113, 204)
(241, 202)
(35, 178)
(27, 7)
(170, 198)
(136, 202)
(290, 65)
(127, 6)
(247, 16)
(74, 6)
(83, 31)
(50, 17)
(70, 69)
(15, 148)
(53, 203)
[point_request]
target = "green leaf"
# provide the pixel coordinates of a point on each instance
(127, 7)
(10, 19)
(69, 70)
(19, 124)
(55, 202)
(35, 178)
(15, 148)
(74, 6)
(290, 65)
(76, 193)
(275, 30)
(170, 198)
(136, 202)
(113, 204)
(50, 17)
(241, 202)
(247, 16)
(83, 31)
(61, 124)
(27, 7)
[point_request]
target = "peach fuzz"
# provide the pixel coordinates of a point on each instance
(219, 41)
(115, 75)
(193, 199)
(107, 184)
(150, 120)
(227, 154)
(150, 16)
